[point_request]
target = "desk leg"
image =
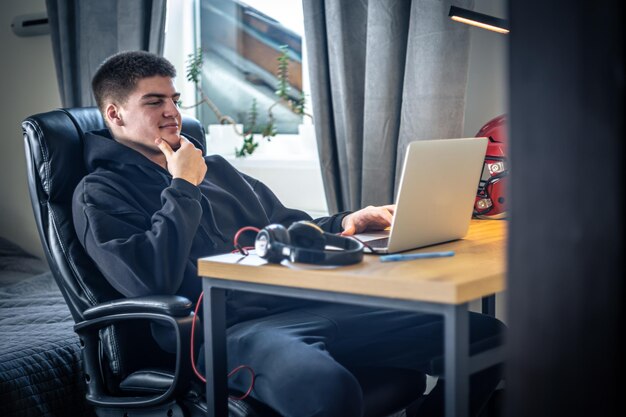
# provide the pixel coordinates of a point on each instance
(489, 305)
(215, 350)
(456, 340)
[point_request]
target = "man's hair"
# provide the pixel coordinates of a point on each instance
(119, 74)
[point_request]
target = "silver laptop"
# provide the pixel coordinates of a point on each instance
(436, 195)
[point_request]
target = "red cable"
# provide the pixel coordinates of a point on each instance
(236, 238)
(244, 229)
(243, 250)
(193, 328)
(231, 373)
(253, 377)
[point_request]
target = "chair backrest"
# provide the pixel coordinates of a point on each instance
(54, 152)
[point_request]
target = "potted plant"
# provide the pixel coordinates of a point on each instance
(305, 130)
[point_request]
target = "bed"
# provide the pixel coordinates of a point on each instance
(40, 362)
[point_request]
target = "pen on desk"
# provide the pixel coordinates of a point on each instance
(411, 256)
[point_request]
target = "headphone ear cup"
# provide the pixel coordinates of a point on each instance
(271, 241)
(307, 235)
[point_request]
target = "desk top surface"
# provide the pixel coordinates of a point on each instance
(477, 269)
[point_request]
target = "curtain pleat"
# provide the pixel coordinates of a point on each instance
(85, 32)
(383, 73)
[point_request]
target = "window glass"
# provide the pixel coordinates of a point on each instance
(241, 43)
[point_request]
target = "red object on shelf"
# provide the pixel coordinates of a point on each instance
(491, 195)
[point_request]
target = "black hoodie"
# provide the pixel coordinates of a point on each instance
(146, 230)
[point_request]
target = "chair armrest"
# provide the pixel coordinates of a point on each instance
(174, 311)
(171, 305)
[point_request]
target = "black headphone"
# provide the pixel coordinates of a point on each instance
(305, 242)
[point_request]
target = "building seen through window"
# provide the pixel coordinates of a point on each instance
(241, 43)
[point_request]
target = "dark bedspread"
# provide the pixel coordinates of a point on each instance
(40, 363)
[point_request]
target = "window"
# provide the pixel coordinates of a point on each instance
(241, 43)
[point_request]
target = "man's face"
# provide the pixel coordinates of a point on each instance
(150, 112)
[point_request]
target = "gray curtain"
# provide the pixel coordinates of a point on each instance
(383, 73)
(85, 32)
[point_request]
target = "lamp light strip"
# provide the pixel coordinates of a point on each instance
(479, 24)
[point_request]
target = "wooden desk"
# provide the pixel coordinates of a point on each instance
(443, 286)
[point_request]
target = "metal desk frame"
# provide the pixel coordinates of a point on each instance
(459, 365)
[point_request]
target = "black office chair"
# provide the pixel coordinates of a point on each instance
(126, 373)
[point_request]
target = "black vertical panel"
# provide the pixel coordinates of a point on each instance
(566, 242)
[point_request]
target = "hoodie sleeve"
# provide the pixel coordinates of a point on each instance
(278, 213)
(143, 254)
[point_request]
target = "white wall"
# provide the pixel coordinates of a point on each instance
(487, 91)
(28, 85)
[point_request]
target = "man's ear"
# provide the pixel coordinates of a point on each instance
(113, 115)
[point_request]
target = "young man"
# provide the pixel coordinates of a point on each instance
(152, 204)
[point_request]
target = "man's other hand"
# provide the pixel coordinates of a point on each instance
(186, 162)
(368, 218)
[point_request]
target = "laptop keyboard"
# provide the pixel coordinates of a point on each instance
(378, 243)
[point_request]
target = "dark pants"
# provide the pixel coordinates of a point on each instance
(300, 356)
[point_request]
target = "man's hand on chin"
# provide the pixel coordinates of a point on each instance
(173, 140)
(186, 162)
(368, 218)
